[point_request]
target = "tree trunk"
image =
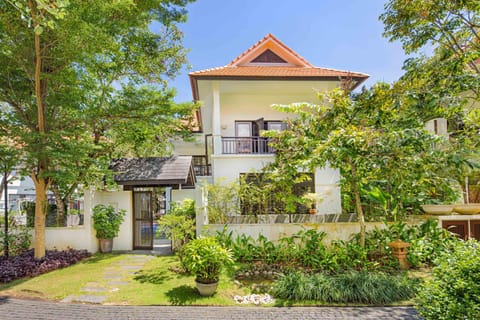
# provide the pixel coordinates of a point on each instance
(358, 204)
(41, 187)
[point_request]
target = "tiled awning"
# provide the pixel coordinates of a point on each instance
(176, 171)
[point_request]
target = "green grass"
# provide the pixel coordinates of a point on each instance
(155, 284)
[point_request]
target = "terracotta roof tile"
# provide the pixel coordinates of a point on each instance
(274, 71)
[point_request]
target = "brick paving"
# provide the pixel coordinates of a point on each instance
(15, 309)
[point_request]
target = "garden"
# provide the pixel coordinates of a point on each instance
(442, 277)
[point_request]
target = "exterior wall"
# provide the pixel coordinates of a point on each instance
(119, 200)
(179, 195)
(227, 168)
(83, 237)
(334, 231)
(79, 237)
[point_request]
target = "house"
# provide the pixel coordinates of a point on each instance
(236, 107)
(237, 100)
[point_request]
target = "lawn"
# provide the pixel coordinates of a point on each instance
(154, 284)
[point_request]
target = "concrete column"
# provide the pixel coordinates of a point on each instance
(327, 186)
(216, 118)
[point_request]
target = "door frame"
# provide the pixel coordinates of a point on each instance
(134, 222)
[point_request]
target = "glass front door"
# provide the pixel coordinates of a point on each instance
(143, 220)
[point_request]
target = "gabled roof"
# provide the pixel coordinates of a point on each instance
(271, 59)
(154, 171)
(270, 42)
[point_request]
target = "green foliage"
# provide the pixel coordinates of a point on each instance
(376, 139)
(446, 84)
(352, 287)
(205, 258)
(453, 292)
(305, 249)
(85, 81)
(222, 201)
(185, 208)
(107, 221)
(19, 237)
(427, 241)
(179, 224)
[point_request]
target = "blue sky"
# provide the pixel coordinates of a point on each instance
(340, 34)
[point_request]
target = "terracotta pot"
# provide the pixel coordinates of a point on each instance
(106, 245)
(312, 211)
(206, 289)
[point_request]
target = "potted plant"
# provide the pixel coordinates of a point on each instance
(312, 199)
(205, 257)
(106, 222)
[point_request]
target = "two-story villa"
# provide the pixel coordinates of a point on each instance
(237, 100)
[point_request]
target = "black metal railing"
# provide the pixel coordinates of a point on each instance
(246, 145)
(202, 170)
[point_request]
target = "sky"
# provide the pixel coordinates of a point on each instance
(339, 34)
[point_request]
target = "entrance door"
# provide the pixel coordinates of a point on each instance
(143, 220)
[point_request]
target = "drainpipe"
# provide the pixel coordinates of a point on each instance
(5, 190)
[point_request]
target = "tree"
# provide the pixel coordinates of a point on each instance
(450, 78)
(82, 80)
(375, 140)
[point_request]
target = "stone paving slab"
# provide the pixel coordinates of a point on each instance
(14, 309)
(89, 299)
(93, 289)
(118, 283)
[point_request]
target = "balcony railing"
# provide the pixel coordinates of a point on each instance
(246, 145)
(202, 170)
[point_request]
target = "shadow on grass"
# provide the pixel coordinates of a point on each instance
(98, 257)
(152, 276)
(184, 295)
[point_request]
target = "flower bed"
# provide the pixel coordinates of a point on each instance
(25, 265)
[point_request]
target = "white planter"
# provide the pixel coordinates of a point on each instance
(206, 289)
(73, 220)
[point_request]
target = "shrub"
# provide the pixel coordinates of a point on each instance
(453, 292)
(351, 287)
(427, 241)
(107, 221)
(205, 257)
(19, 238)
(25, 265)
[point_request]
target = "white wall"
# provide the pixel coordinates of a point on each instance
(180, 195)
(83, 237)
(79, 237)
(227, 168)
(119, 200)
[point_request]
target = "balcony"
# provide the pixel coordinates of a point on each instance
(246, 145)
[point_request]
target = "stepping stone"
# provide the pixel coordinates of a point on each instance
(118, 283)
(111, 276)
(93, 289)
(90, 299)
(132, 267)
(68, 299)
(91, 284)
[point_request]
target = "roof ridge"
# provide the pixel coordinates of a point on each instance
(280, 43)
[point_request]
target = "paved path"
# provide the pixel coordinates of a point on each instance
(15, 309)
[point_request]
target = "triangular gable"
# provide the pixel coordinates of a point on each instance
(273, 50)
(268, 56)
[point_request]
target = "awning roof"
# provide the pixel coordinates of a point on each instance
(154, 171)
